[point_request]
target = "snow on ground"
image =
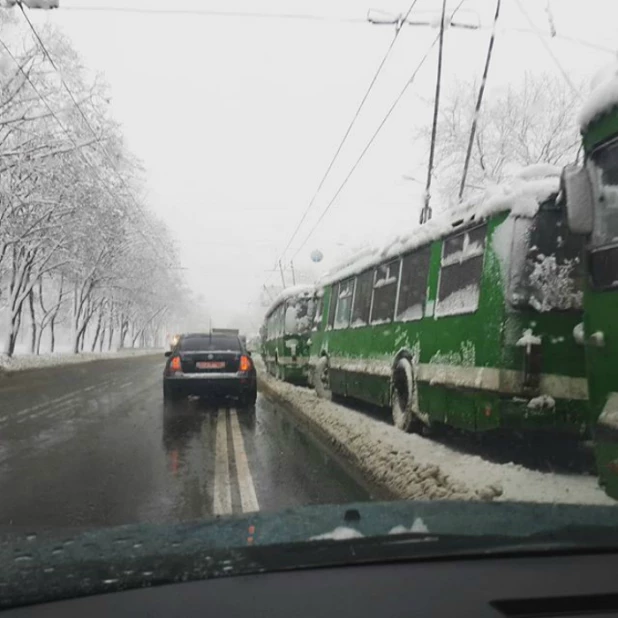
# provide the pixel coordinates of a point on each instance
(32, 361)
(410, 466)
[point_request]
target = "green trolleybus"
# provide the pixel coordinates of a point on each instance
(286, 333)
(592, 203)
(467, 321)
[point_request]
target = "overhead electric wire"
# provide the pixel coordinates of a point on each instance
(479, 102)
(367, 146)
(426, 210)
(373, 137)
(214, 13)
(549, 51)
(349, 129)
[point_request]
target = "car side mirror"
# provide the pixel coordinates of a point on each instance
(168, 353)
(577, 189)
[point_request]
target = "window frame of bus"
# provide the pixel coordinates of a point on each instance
(602, 254)
(358, 297)
(270, 326)
(423, 252)
(522, 293)
(318, 316)
(480, 256)
(280, 320)
(338, 324)
(332, 305)
(395, 285)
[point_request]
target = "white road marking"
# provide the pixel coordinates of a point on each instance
(222, 498)
(248, 498)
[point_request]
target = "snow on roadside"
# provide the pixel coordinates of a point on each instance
(413, 467)
(31, 361)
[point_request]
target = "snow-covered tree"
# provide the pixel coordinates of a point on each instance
(533, 121)
(77, 245)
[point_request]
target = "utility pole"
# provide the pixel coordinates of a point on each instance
(282, 276)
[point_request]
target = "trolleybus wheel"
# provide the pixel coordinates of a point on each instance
(404, 399)
(321, 379)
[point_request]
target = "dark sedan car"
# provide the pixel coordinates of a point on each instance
(210, 365)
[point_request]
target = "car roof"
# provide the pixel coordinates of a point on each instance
(216, 336)
(189, 335)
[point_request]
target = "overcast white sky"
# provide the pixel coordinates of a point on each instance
(236, 118)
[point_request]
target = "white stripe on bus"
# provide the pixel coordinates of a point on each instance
(504, 381)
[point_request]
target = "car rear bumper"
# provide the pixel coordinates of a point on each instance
(210, 384)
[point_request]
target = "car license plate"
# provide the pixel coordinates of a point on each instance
(210, 365)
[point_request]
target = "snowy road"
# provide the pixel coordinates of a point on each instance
(92, 445)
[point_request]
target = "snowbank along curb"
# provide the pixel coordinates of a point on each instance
(16, 364)
(409, 466)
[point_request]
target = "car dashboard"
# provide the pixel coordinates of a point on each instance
(562, 584)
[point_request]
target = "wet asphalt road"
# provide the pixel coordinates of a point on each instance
(93, 445)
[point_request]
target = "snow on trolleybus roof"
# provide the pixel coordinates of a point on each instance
(521, 195)
(603, 96)
(302, 290)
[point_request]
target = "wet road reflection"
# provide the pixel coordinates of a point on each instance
(94, 445)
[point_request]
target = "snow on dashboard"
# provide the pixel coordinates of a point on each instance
(603, 96)
(521, 195)
(341, 533)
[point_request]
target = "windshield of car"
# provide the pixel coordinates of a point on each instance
(296, 272)
(209, 342)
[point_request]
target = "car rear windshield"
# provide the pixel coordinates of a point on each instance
(214, 342)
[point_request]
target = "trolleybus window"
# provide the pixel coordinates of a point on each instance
(362, 299)
(279, 318)
(553, 273)
(413, 286)
(460, 274)
(317, 320)
(606, 220)
(384, 292)
(334, 291)
(298, 315)
(344, 303)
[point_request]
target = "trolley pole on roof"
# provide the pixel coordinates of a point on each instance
(380, 17)
(479, 101)
(426, 210)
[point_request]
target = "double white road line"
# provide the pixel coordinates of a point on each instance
(222, 498)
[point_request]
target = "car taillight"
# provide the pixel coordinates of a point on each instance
(175, 364)
(245, 363)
